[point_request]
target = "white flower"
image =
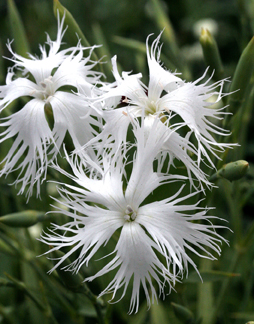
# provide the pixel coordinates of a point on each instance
(154, 238)
(166, 96)
(43, 80)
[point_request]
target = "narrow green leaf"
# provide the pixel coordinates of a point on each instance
(87, 309)
(208, 276)
(17, 29)
(164, 23)
(248, 237)
(131, 43)
(158, 314)
(4, 248)
(141, 47)
(21, 286)
(183, 314)
(73, 27)
(242, 77)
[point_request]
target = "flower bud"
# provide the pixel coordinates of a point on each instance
(232, 171)
(26, 218)
(211, 53)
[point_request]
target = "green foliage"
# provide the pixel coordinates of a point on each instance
(27, 293)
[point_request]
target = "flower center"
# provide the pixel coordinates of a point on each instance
(46, 91)
(130, 214)
(151, 107)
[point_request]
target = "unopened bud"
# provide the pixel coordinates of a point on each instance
(26, 218)
(232, 171)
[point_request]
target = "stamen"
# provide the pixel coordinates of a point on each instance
(128, 209)
(127, 218)
(130, 214)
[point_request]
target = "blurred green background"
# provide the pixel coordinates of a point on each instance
(137, 19)
(117, 24)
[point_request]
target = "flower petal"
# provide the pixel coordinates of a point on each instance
(32, 132)
(135, 257)
(160, 79)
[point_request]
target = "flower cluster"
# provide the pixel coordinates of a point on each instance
(129, 141)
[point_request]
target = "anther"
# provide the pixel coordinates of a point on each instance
(130, 214)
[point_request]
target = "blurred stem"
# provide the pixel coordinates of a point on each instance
(48, 311)
(225, 284)
(247, 294)
(205, 296)
(231, 193)
(57, 295)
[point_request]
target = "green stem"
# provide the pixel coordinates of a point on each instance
(232, 198)
(221, 296)
(45, 309)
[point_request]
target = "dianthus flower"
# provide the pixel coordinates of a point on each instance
(48, 81)
(167, 96)
(153, 237)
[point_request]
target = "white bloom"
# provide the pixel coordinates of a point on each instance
(167, 94)
(154, 238)
(43, 80)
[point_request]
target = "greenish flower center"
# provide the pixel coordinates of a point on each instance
(151, 108)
